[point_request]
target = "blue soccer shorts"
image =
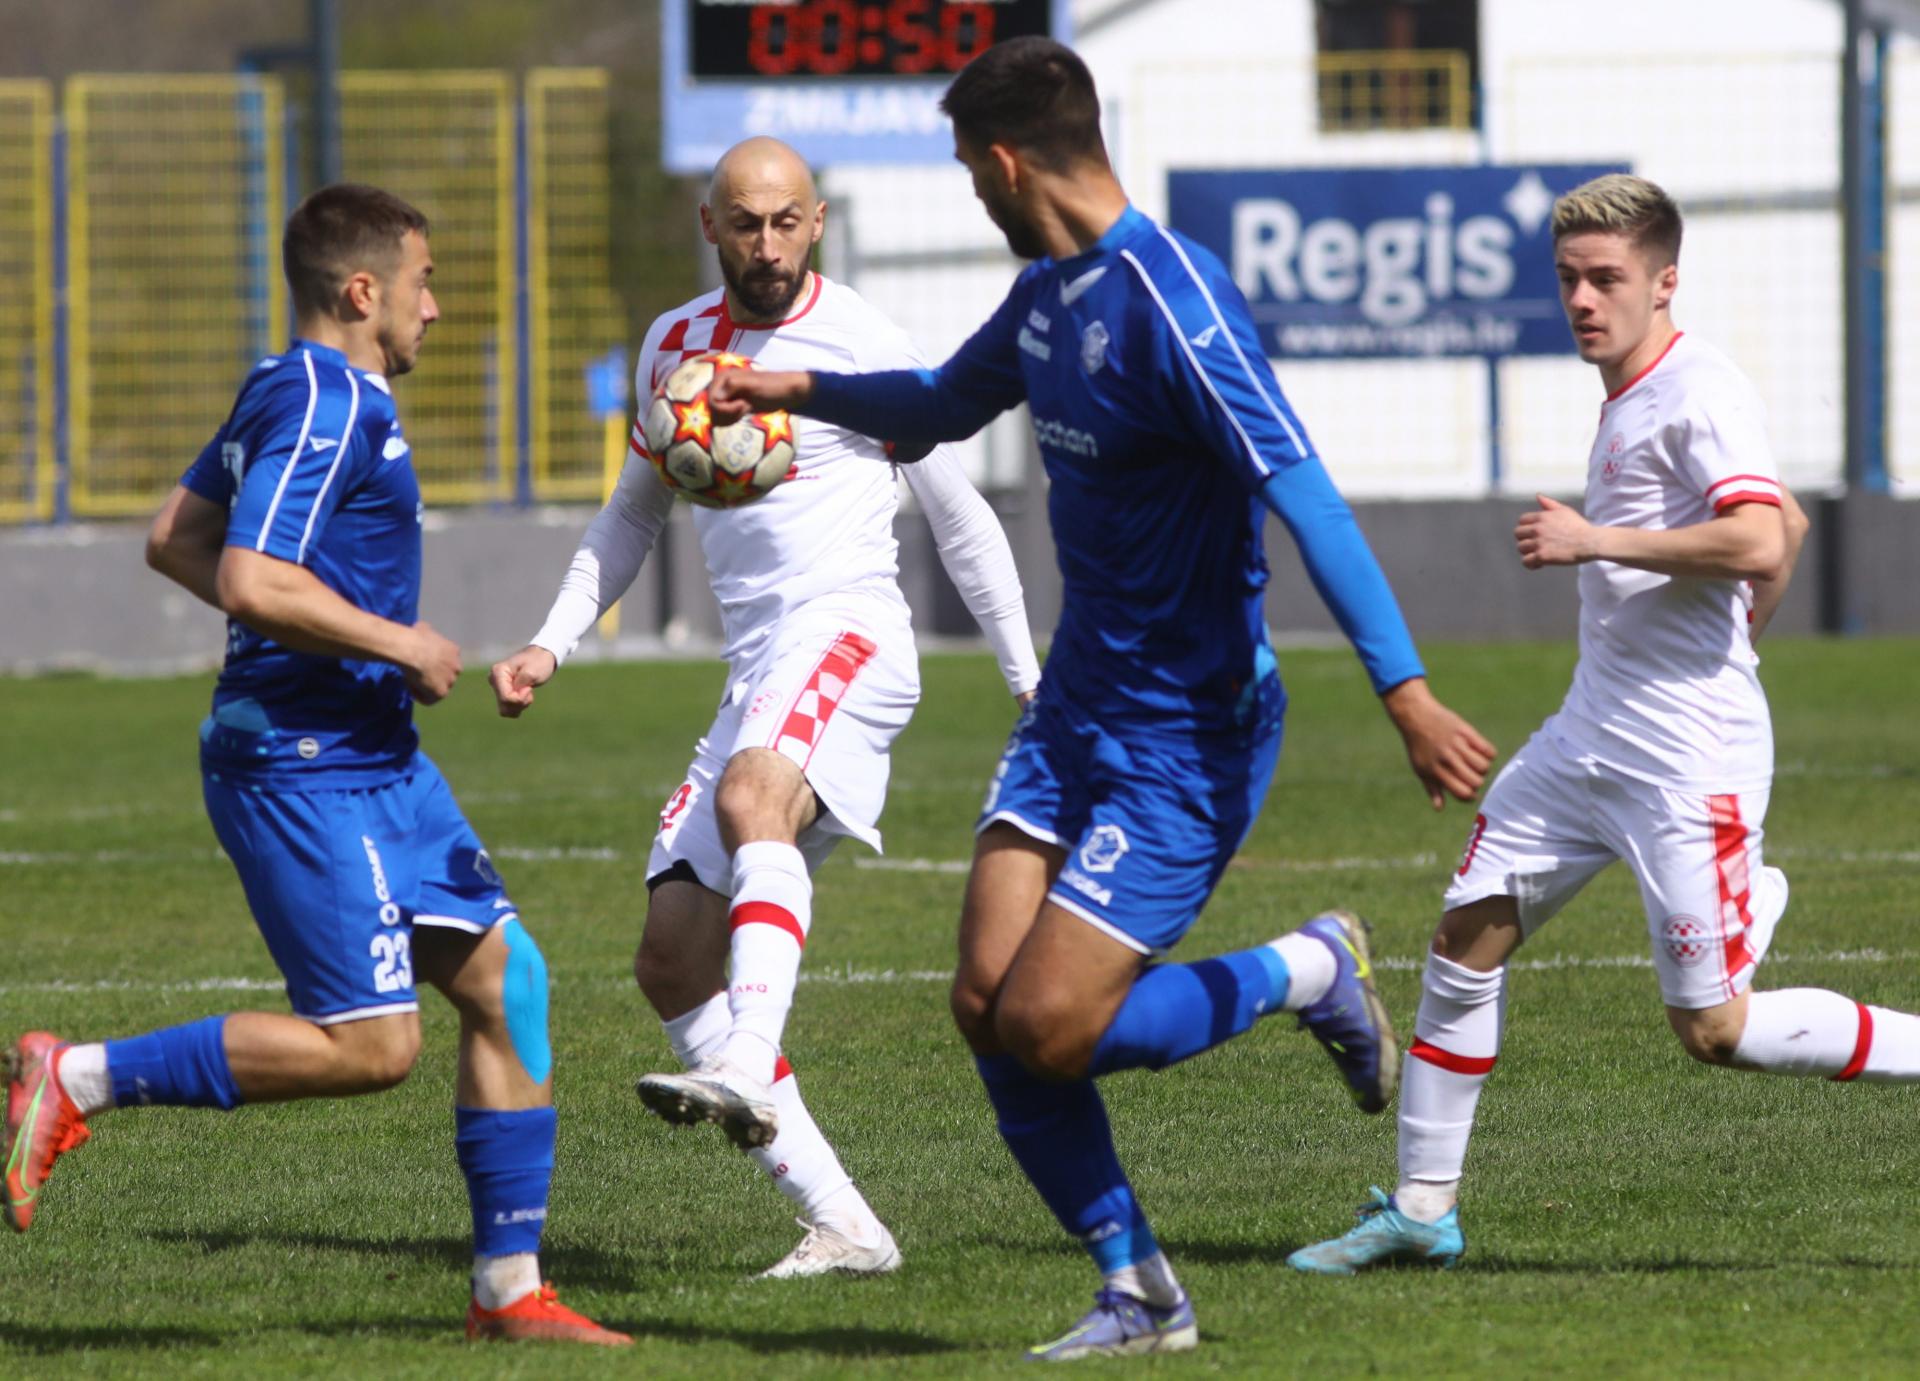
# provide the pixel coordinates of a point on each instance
(337, 881)
(1148, 823)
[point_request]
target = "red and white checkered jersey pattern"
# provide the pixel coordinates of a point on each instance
(1666, 688)
(829, 528)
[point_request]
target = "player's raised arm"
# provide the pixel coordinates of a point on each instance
(950, 403)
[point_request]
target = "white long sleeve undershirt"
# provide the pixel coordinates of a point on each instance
(972, 545)
(610, 555)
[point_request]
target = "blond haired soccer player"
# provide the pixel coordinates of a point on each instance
(1661, 754)
(822, 674)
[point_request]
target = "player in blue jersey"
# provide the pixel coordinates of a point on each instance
(1133, 778)
(301, 521)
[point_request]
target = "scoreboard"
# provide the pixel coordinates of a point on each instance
(810, 39)
(844, 81)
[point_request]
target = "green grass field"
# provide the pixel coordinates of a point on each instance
(1627, 1211)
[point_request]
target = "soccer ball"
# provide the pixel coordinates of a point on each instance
(717, 467)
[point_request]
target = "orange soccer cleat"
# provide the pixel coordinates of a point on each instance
(538, 1314)
(42, 1122)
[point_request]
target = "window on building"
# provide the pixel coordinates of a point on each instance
(1398, 64)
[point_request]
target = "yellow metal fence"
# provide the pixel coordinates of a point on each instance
(175, 192)
(444, 141)
(574, 315)
(174, 199)
(26, 301)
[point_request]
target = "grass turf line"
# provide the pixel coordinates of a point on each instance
(1627, 1212)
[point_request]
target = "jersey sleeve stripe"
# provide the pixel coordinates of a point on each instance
(1753, 479)
(1726, 501)
(346, 441)
(1253, 452)
(306, 430)
(1253, 375)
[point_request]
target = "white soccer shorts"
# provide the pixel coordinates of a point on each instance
(831, 694)
(1553, 819)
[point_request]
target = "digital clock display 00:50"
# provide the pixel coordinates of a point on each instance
(841, 39)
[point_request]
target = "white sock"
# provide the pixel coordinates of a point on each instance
(1456, 1042)
(800, 1162)
(1151, 1280)
(82, 1072)
(1811, 1032)
(697, 1034)
(500, 1280)
(772, 912)
(1310, 969)
(803, 1166)
(1426, 1201)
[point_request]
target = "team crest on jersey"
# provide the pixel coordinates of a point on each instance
(1104, 849)
(1610, 467)
(1686, 939)
(1093, 347)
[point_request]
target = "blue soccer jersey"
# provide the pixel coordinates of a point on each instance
(1165, 439)
(314, 470)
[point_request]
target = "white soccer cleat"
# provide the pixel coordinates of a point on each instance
(825, 1251)
(715, 1091)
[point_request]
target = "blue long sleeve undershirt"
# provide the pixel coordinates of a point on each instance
(922, 405)
(899, 404)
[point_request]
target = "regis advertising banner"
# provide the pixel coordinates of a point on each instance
(1345, 263)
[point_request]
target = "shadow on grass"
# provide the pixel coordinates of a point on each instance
(48, 1341)
(568, 1265)
(836, 1342)
(1183, 1250)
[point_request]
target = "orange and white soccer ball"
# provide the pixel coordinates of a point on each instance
(718, 467)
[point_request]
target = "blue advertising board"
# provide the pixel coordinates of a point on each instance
(1368, 263)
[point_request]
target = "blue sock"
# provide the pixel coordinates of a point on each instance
(179, 1066)
(507, 1158)
(1058, 1134)
(1175, 1011)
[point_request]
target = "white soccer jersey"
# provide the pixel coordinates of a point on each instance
(828, 530)
(1666, 688)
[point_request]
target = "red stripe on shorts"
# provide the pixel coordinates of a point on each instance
(1862, 1043)
(781, 1069)
(766, 913)
(1730, 870)
(842, 662)
(1473, 843)
(1446, 1059)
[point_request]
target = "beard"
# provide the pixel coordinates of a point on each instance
(765, 292)
(1021, 238)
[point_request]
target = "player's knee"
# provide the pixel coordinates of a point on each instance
(1710, 1035)
(1044, 1038)
(972, 1009)
(370, 1066)
(760, 795)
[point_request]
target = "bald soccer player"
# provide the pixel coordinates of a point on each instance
(821, 676)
